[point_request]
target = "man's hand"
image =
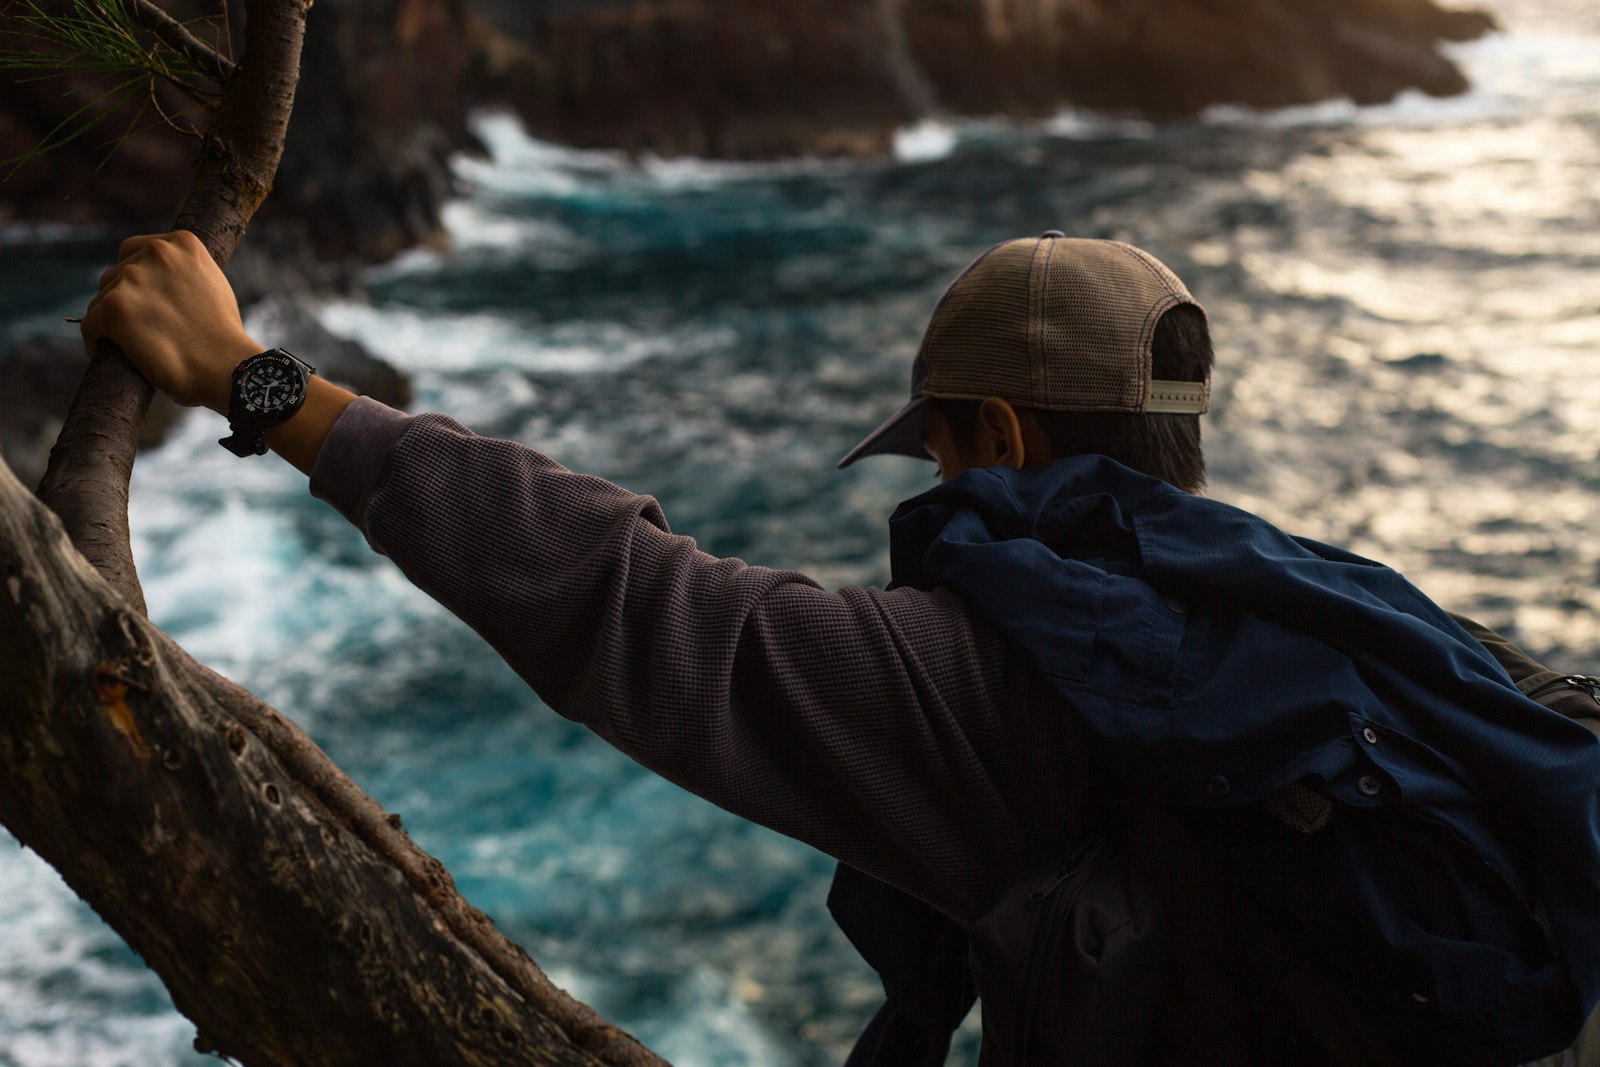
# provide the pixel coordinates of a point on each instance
(169, 307)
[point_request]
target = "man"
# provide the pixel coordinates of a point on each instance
(1071, 645)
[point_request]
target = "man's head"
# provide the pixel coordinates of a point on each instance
(1048, 347)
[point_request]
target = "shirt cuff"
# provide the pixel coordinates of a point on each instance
(355, 454)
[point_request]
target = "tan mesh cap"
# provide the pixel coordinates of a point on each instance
(1048, 322)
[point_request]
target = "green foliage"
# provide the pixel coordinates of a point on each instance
(103, 38)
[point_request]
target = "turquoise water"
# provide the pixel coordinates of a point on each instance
(1407, 315)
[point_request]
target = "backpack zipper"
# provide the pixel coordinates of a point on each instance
(1056, 906)
(1581, 682)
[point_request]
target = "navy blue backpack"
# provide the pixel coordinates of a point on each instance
(1452, 884)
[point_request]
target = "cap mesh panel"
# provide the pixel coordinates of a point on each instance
(1099, 302)
(977, 343)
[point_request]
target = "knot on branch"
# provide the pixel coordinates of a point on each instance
(125, 638)
(112, 682)
(239, 175)
(130, 655)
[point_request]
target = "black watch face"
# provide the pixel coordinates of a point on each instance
(270, 385)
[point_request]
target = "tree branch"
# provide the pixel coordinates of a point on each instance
(286, 913)
(290, 918)
(175, 35)
(312, 768)
(86, 482)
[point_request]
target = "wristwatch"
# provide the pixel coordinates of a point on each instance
(268, 388)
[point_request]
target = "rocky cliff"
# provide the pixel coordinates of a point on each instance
(384, 93)
(754, 78)
(387, 85)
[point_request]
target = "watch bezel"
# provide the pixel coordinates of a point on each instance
(274, 357)
(248, 423)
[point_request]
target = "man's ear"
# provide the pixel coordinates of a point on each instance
(999, 440)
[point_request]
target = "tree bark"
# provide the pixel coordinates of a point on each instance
(86, 482)
(290, 918)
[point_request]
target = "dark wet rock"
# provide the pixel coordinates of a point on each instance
(279, 257)
(1171, 60)
(286, 323)
(38, 379)
(387, 86)
(743, 78)
(385, 90)
(383, 101)
(1421, 361)
(705, 78)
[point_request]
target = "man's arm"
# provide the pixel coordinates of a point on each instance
(171, 309)
(881, 727)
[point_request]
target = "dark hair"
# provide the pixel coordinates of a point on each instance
(1164, 446)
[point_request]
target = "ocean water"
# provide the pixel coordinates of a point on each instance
(1407, 309)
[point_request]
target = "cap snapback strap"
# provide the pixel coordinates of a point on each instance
(1177, 398)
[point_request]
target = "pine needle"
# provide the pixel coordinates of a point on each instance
(96, 37)
(94, 113)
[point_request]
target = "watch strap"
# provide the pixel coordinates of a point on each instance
(243, 443)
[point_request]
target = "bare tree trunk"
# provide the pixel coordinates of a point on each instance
(290, 918)
(87, 480)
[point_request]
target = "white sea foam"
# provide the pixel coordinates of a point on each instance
(1073, 123)
(522, 165)
(936, 139)
(474, 226)
(1513, 76)
(59, 969)
(477, 227)
(526, 166)
(484, 367)
(716, 1028)
(224, 568)
(690, 172)
(418, 341)
(710, 1024)
(923, 141)
(439, 343)
(30, 232)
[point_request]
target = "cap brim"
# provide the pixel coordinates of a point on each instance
(900, 435)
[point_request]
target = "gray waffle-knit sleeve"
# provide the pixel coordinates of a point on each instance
(870, 724)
